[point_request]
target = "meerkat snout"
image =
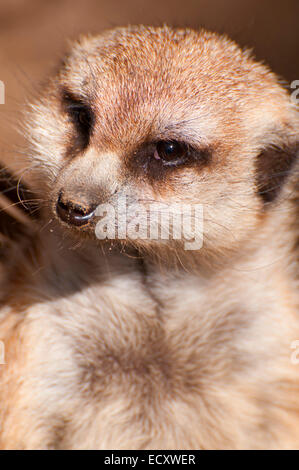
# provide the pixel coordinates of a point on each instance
(76, 213)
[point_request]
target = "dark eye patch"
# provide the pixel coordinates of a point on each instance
(82, 118)
(157, 160)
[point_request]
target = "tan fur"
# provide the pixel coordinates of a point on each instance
(142, 344)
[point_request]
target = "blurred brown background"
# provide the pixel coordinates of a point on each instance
(34, 33)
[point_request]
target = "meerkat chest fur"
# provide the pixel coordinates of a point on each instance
(149, 369)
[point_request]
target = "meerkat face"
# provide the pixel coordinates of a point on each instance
(142, 116)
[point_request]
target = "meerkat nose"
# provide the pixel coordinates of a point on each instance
(75, 213)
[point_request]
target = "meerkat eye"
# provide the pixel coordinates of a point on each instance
(81, 115)
(171, 152)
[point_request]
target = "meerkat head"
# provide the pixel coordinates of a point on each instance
(172, 122)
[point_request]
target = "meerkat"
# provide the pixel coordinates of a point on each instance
(139, 343)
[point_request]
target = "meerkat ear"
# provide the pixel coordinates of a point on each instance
(273, 165)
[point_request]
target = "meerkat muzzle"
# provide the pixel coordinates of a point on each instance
(74, 213)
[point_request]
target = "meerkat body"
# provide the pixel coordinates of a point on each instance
(140, 344)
